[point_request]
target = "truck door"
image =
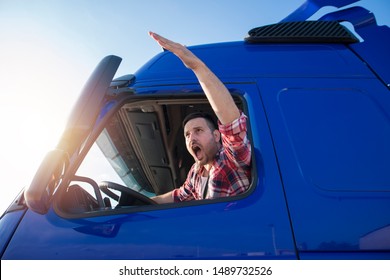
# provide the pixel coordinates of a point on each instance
(253, 225)
(332, 143)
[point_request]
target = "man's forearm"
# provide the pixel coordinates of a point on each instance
(219, 97)
(164, 198)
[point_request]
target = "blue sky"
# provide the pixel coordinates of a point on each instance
(49, 48)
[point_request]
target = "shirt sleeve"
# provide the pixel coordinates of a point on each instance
(235, 141)
(186, 191)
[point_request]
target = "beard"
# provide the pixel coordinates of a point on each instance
(204, 154)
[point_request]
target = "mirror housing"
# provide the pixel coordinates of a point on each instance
(45, 181)
(80, 124)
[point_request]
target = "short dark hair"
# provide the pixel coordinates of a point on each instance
(211, 123)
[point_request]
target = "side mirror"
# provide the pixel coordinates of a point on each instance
(81, 121)
(49, 175)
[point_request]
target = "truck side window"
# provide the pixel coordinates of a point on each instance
(142, 148)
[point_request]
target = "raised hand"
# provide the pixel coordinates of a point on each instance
(219, 97)
(186, 56)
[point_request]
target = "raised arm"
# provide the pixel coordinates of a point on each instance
(219, 97)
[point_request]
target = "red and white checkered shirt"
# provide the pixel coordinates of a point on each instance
(230, 172)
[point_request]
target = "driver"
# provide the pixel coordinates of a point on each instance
(222, 156)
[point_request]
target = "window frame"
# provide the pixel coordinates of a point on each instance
(121, 103)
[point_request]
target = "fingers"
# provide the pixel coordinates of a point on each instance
(157, 38)
(187, 57)
(168, 44)
(164, 42)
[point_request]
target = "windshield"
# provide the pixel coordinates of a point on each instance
(122, 163)
(112, 158)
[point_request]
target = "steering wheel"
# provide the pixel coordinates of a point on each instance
(128, 197)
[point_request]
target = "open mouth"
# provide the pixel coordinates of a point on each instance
(196, 150)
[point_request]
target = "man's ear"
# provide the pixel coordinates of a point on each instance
(217, 135)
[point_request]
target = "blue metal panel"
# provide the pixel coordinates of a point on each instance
(340, 210)
(202, 232)
(239, 60)
(8, 224)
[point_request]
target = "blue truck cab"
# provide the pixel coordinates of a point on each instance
(318, 105)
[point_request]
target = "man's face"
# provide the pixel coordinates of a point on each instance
(201, 142)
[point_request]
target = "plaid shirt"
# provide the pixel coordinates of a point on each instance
(230, 172)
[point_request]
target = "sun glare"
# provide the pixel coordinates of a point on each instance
(36, 96)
